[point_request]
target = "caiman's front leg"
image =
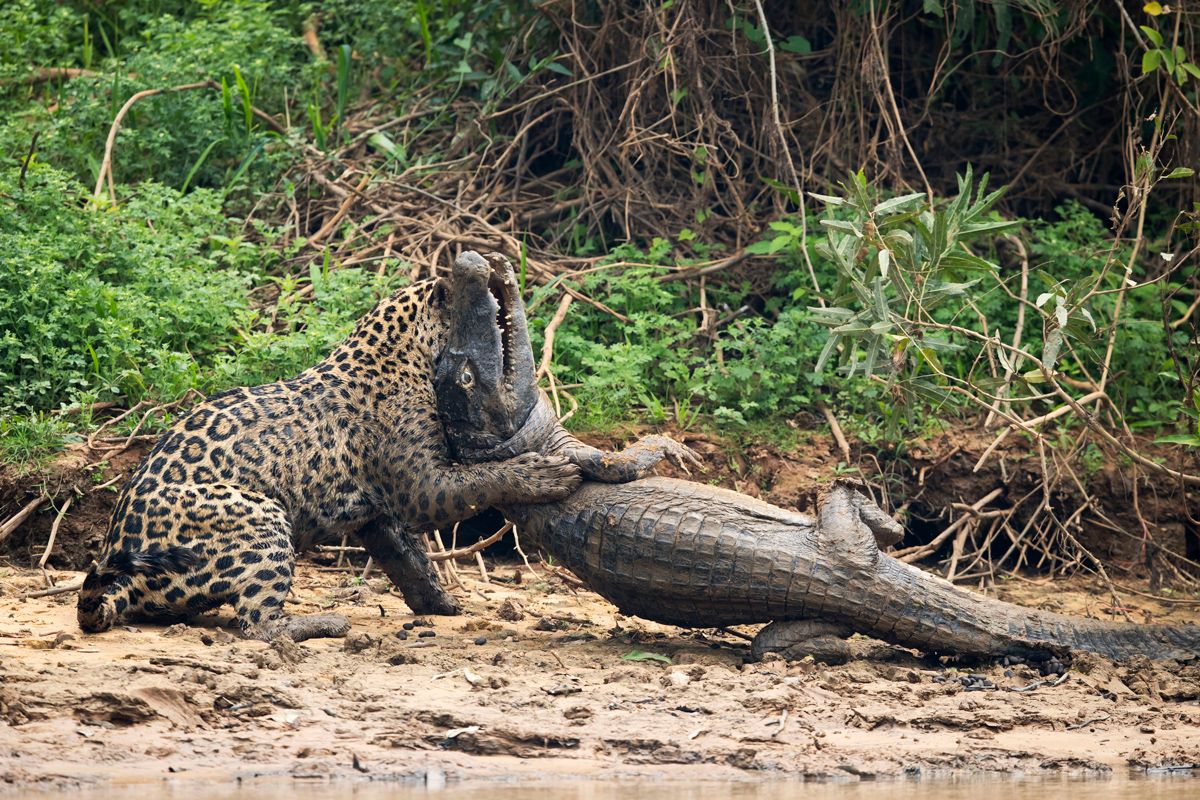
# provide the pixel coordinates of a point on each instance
(633, 462)
(543, 433)
(795, 639)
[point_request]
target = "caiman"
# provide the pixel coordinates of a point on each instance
(693, 555)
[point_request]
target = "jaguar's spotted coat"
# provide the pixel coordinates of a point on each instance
(218, 509)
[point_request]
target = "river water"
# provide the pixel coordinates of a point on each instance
(1157, 787)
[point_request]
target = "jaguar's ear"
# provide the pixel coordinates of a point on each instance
(438, 296)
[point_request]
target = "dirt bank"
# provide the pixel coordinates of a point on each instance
(552, 690)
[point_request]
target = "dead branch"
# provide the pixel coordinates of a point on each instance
(62, 512)
(548, 343)
(14, 522)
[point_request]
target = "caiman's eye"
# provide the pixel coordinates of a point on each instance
(466, 379)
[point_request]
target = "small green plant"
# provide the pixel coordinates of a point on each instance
(643, 655)
(29, 441)
(1172, 59)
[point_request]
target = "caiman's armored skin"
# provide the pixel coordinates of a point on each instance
(694, 555)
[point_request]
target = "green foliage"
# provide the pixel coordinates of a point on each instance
(152, 299)
(146, 301)
(30, 440)
(111, 303)
(622, 366)
(1172, 58)
(176, 138)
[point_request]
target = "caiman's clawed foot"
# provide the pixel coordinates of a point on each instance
(300, 627)
(677, 453)
(886, 530)
(633, 462)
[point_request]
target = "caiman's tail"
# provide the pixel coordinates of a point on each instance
(924, 611)
(106, 589)
(916, 609)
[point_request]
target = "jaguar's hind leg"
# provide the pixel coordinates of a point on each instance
(253, 571)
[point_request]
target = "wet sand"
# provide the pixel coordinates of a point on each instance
(561, 687)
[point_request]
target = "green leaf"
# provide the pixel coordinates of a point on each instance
(989, 227)
(1189, 439)
(842, 225)
(796, 44)
(760, 248)
(1180, 172)
(1152, 35)
(1191, 69)
(383, 143)
(896, 203)
(642, 655)
(828, 199)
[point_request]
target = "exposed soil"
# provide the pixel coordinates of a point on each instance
(552, 691)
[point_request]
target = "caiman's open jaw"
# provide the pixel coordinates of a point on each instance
(484, 379)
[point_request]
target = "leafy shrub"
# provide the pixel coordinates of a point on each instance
(623, 366)
(149, 300)
(192, 136)
(110, 303)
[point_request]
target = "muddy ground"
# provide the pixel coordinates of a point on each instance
(541, 679)
(537, 679)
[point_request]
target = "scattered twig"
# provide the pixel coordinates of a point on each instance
(838, 436)
(73, 586)
(14, 522)
(106, 163)
(525, 558)
(910, 554)
(62, 512)
(548, 343)
(482, 544)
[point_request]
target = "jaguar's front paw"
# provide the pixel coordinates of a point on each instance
(543, 479)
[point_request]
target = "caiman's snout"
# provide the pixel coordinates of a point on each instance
(485, 380)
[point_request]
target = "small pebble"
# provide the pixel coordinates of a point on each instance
(427, 634)
(408, 626)
(206, 639)
(481, 640)
(401, 635)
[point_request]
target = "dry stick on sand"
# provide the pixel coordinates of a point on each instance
(451, 570)
(62, 512)
(73, 586)
(525, 558)
(910, 554)
(435, 555)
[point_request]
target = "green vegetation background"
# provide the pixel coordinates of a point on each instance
(175, 289)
